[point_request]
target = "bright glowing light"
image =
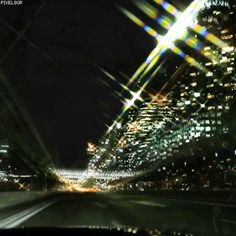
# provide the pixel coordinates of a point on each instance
(210, 37)
(121, 143)
(196, 94)
(128, 103)
(189, 40)
(196, 27)
(134, 127)
(118, 125)
(131, 102)
(166, 23)
(178, 29)
(3, 151)
(168, 7)
(76, 175)
(92, 148)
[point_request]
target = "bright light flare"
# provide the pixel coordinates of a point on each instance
(191, 41)
(78, 188)
(131, 102)
(210, 37)
(139, 22)
(195, 26)
(168, 7)
(124, 87)
(134, 127)
(91, 147)
(178, 30)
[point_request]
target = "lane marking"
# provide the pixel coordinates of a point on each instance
(148, 203)
(19, 218)
(228, 221)
(98, 204)
(202, 203)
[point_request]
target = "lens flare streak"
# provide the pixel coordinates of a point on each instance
(168, 7)
(196, 27)
(139, 22)
(127, 102)
(147, 8)
(177, 30)
(183, 21)
(191, 41)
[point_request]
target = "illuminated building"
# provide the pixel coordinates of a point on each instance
(196, 125)
(4, 159)
(205, 104)
(209, 98)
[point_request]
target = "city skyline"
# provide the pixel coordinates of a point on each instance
(180, 95)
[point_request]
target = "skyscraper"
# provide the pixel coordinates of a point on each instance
(196, 122)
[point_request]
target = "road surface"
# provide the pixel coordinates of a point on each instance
(146, 210)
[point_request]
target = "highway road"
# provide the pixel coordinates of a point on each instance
(129, 210)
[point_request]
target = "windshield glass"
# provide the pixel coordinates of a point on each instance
(118, 114)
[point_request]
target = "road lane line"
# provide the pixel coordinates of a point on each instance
(19, 218)
(148, 203)
(16, 216)
(98, 204)
(214, 204)
(29, 215)
(228, 221)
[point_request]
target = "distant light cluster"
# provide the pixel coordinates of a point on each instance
(84, 175)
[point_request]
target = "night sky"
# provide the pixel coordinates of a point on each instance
(58, 77)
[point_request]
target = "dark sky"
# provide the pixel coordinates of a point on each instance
(57, 75)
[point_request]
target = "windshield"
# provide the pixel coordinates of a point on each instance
(118, 114)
